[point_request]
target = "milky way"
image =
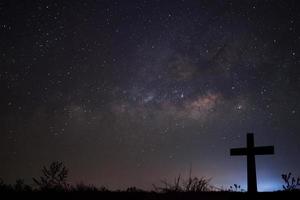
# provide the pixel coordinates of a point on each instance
(132, 92)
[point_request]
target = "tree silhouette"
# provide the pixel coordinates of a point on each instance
(54, 177)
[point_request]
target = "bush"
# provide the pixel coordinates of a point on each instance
(20, 186)
(236, 188)
(192, 184)
(291, 183)
(81, 187)
(134, 189)
(5, 187)
(54, 177)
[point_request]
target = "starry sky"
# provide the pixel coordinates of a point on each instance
(130, 92)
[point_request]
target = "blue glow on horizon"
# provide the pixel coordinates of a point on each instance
(269, 186)
(262, 186)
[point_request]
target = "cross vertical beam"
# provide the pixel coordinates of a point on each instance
(251, 169)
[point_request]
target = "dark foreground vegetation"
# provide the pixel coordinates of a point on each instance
(154, 195)
(53, 182)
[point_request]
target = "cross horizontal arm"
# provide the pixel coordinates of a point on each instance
(264, 150)
(238, 152)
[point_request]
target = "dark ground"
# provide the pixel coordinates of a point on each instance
(157, 196)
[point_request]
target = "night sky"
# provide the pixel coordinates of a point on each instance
(127, 93)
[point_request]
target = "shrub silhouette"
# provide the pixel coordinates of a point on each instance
(20, 186)
(197, 185)
(134, 189)
(236, 188)
(81, 187)
(54, 177)
(291, 183)
(5, 187)
(169, 187)
(192, 184)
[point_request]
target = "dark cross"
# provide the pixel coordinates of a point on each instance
(250, 151)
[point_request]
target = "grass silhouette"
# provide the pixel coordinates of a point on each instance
(54, 181)
(191, 184)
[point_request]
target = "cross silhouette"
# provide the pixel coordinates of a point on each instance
(250, 151)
